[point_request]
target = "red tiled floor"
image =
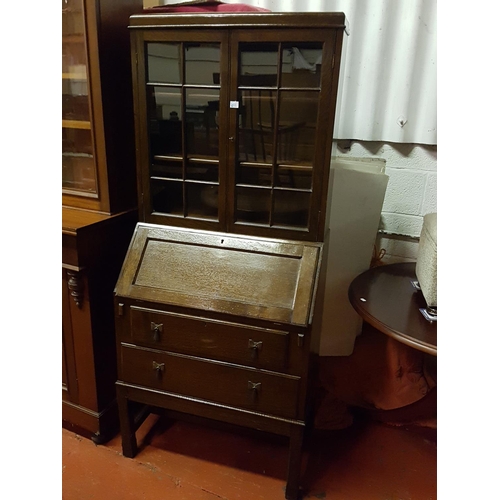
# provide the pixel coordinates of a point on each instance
(180, 461)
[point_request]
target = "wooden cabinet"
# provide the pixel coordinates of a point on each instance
(214, 304)
(235, 120)
(197, 335)
(99, 202)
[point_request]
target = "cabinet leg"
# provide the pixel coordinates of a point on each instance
(294, 463)
(127, 428)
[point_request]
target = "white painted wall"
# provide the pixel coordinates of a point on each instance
(390, 66)
(411, 192)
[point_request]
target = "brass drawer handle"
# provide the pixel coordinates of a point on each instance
(156, 328)
(254, 387)
(255, 346)
(159, 367)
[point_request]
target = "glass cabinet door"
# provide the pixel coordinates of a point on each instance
(183, 102)
(78, 162)
(278, 90)
(235, 128)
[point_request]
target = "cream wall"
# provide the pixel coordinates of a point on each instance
(411, 192)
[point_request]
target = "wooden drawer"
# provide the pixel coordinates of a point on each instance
(220, 340)
(247, 388)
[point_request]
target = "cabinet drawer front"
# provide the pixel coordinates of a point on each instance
(235, 343)
(240, 387)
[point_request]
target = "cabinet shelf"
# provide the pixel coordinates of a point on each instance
(78, 124)
(74, 76)
(186, 181)
(73, 38)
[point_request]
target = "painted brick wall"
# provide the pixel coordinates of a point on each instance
(411, 192)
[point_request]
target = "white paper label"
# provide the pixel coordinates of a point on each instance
(234, 104)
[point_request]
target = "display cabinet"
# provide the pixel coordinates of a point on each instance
(99, 203)
(235, 120)
(214, 305)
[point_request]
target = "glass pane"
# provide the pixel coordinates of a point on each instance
(164, 62)
(254, 175)
(301, 65)
(202, 200)
(253, 205)
(297, 126)
(78, 172)
(259, 64)
(78, 168)
(165, 126)
(166, 197)
(291, 208)
(78, 164)
(297, 177)
(170, 169)
(75, 99)
(202, 63)
(202, 171)
(256, 125)
(74, 56)
(202, 122)
(76, 141)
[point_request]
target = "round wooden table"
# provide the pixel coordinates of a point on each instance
(385, 298)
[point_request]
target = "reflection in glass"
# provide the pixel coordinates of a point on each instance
(253, 175)
(202, 171)
(165, 126)
(202, 200)
(291, 208)
(78, 164)
(297, 126)
(75, 99)
(256, 126)
(253, 205)
(202, 63)
(77, 141)
(202, 122)
(164, 62)
(169, 169)
(78, 167)
(301, 65)
(167, 197)
(258, 64)
(296, 177)
(74, 57)
(78, 172)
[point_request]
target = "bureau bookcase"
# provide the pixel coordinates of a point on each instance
(214, 304)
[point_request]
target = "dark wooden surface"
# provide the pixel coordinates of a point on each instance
(238, 364)
(254, 20)
(92, 256)
(267, 279)
(386, 299)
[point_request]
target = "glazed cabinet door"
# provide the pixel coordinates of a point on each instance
(180, 96)
(234, 127)
(79, 174)
(281, 87)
